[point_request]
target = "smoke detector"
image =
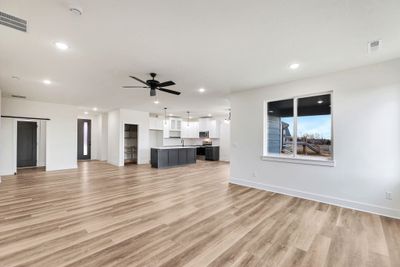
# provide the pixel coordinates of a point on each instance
(76, 10)
(374, 46)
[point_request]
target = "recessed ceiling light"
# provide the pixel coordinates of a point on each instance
(190, 117)
(86, 112)
(320, 101)
(170, 114)
(61, 46)
(202, 90)
(209, 114)
(294, 66)
(156, 102)
(46, 81)
(95, 109)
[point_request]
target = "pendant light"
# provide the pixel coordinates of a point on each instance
(165, 116)
(228, 120)
(188, 113)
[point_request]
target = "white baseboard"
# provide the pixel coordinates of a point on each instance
(75, 166)
(375, 209)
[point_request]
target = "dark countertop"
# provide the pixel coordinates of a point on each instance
(178, 147)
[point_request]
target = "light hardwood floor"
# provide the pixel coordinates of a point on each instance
(101, 215)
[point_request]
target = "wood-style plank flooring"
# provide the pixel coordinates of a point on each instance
(101, 215)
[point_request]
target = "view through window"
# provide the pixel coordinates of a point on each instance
(301, 126)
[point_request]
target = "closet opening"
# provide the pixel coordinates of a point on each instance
(131, 144)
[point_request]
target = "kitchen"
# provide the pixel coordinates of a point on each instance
(175, 141)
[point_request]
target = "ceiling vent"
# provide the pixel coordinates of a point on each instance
(19, 96)
(12, 22)
(374, 46)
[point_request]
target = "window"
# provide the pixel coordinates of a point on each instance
(85, 138)
(299, 128)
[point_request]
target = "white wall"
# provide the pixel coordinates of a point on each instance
(7, 147)
(104, 136)
(99, 129)
(61, 133)
(225, 142)
(114, 140)
(366, 114)
(41, 159)
(155, 138)
(0, 134)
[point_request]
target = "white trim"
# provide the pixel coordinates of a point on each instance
(295, 119)
(344, 203)
(300, 160)
(295, 158)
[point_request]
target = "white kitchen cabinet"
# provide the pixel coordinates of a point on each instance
(214, 129)
(156, 124)
(171, 127)
(166, 128)
(175, 124)
(209, 125)
(204, 124)
(190, 130)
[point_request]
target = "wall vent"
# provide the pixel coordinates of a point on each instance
(19, 96)
(12, 22)
(374, 46)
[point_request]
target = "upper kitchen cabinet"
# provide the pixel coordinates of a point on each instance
(190, 130)
(156, 124)
(209, 125)
(175, 124)
(172, 124)
(172, 128)
(214, 129)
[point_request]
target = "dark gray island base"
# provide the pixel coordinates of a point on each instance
(172, 156)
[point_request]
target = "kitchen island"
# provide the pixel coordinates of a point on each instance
(162, 157)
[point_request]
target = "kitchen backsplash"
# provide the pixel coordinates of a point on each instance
(188, 142)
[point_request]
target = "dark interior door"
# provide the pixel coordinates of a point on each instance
(26, 144)
(84, 138)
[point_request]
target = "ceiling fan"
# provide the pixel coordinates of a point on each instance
(154, 85)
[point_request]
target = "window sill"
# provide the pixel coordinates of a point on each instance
(301, 160)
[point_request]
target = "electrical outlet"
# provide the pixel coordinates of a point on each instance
(388, 195)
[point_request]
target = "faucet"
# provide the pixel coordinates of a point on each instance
(183, 142)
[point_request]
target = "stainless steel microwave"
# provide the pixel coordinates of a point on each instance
(205, 134)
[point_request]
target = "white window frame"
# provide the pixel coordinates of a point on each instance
(297, 159)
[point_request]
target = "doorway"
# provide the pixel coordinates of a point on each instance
(26, 144)
(84, 139)
(130, 144)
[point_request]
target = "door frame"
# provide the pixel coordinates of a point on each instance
(29, 157)
(40, 130)
(122, 149)
(90, 135)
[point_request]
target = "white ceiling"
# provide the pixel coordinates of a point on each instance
(221, 45)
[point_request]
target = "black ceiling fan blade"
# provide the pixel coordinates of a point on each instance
(137, 79)
(135, 86)
(169, 83)
(169, 91)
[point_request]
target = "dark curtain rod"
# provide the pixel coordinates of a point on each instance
(26, 118)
